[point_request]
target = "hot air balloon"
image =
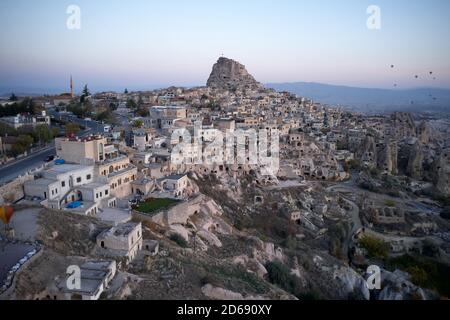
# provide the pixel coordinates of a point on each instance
(392, 66)
(416, 76)
(6, 214)
(431, 72)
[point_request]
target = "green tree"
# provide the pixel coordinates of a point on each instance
(143, 112)
(112, 106)
(281, 275)
(55, 132)
(42, 133)
(84, 94)
(418, 275)
(72, 128)
(6, 130)
(375, 247)
(76, 109)
(22, 144)
(131, 104)
(138, 124)
(29, 106)
(102, 116)
(13, 97)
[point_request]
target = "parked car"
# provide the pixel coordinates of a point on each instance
(49, 158)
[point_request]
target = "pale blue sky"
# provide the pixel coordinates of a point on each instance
(139, 44)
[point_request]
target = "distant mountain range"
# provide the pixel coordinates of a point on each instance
(367, 99)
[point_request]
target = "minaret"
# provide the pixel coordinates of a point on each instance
(71, 87)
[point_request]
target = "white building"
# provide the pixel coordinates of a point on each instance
(95, 279)
(124, 240)
(177, 184)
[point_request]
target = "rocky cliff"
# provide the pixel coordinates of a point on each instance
(441, 171)
(387, 158)
(228, 74)
(403, 125)
(415, 161)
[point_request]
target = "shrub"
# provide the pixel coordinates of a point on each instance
(178, 239)
(390, 203)
(425, 272)
(418, 275)
(445, 214)
(375, 247)
(280, 275)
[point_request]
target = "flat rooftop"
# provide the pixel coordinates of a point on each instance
(64, 168)
(119, 230)
(168, 107)
(43, 182)
(114, 216)
(175, 177)
(93, 185)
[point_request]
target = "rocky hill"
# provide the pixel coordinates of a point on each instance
(228, 74)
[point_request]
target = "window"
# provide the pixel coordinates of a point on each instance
(106, 192)
(88, 177)
(63, 184)
(78, 179)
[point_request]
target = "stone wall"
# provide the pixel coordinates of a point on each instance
(13, 191)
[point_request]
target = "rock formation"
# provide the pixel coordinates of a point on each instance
(403, 125)
(387, 158)
(424, 132)
(368, 151)
(442, 173)
(228, 74)
(415, 161)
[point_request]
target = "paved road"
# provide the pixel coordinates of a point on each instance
(94, 126)
(11, 171)
(10, 254)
